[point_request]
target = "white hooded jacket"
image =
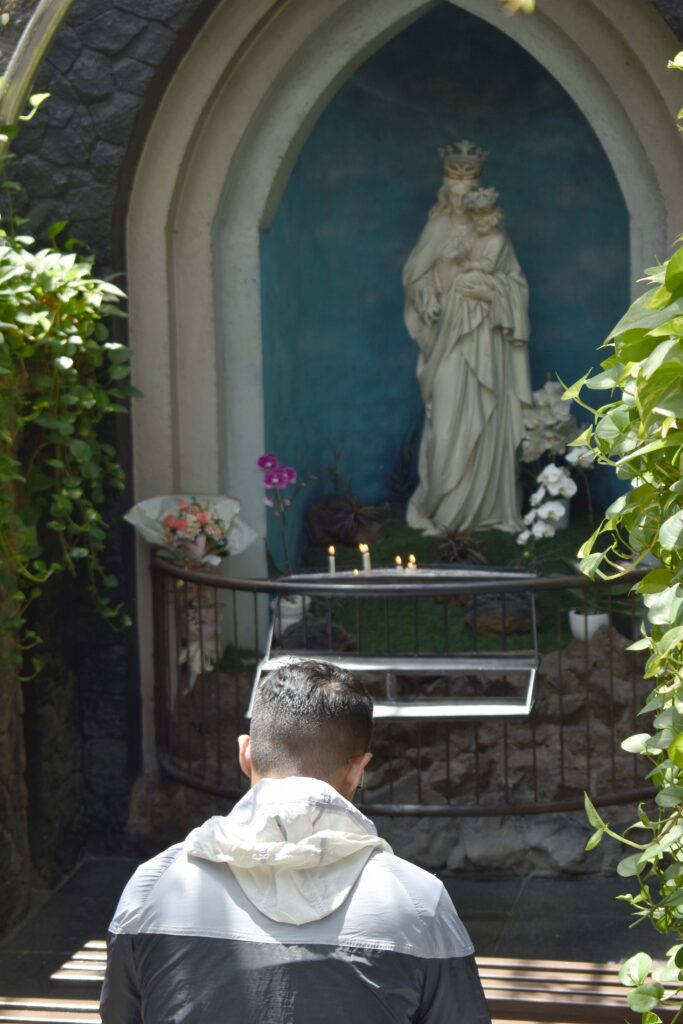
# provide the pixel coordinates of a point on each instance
(295, 846)
(289, 910)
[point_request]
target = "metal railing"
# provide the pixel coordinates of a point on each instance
(210, 633)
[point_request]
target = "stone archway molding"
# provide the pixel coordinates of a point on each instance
(218, 156)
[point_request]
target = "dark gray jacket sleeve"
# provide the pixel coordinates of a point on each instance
(451, 990)
(452, 993)
(120, 1000)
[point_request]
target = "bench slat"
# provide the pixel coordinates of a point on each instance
(50, 1011)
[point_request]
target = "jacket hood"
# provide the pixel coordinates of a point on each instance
(295, 846)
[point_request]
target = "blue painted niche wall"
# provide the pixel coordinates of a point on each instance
(339, 367)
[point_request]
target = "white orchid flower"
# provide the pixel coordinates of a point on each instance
(542, 529)
(580, 456)
(551, 511)
(566, 488)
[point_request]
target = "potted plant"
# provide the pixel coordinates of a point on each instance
(590, 612)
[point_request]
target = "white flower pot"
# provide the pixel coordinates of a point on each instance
(287, 611)
(582, 626)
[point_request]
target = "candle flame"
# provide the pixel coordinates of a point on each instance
(330, 550)
(355, 572)
(363, 548)
(411, 558)
(398, 560)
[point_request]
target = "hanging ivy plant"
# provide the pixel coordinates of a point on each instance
(60, 375)
(639, 432)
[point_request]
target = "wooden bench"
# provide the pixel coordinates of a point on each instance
(50, 1011)
(557, 990)
(86, 967)
(531, 991)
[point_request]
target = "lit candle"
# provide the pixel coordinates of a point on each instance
(331, 562)
(399, 563)
(412, 564)
(365, 555)
(355, 572)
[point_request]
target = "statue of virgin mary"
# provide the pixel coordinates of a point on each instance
(466, 307)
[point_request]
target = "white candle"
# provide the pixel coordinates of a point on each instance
(331, 562)
(365, 555)
(399, 563)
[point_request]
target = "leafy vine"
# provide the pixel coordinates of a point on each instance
(60, 375)
(640, 434)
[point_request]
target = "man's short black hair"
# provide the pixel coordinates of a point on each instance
(309, 718)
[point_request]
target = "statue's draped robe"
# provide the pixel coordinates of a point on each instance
(473, 371)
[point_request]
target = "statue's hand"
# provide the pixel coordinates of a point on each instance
(427, 303)
(432, 311)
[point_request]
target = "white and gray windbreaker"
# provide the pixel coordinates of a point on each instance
(290, 910)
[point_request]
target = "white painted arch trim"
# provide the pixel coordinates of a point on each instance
(218, 155)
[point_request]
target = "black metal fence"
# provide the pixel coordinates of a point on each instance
(211, 633)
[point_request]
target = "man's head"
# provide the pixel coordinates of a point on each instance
(309, 718)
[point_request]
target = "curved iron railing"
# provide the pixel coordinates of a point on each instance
(210, 633)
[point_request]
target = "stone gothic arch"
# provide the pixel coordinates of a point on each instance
(217, 158)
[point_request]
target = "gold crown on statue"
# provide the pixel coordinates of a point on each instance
(481, 201)
(462, 160)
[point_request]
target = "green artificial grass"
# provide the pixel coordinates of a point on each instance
(427, 625)
(553, 555)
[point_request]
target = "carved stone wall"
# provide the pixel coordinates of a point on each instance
(109, 62)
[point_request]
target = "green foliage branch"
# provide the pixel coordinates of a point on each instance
(60, 376)
(639, 432)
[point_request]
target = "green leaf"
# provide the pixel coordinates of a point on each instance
(668, 350)
(55, 230)
(641, 316)
(587, 545)
(594, 839)
(675, 751)
(671, 406)
(655, 581)
(628, 866)
(80, 450)
(661, 298)
(613, 425)
(672, 441)
(666, 607)
(645, 997)
(636, 744)
(635, 970)
(592, 814)
(571, 393)
(605, 381)
(670, 796)
(119, 371)
(671, 532)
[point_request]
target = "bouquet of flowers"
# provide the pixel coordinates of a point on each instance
(193, 531)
